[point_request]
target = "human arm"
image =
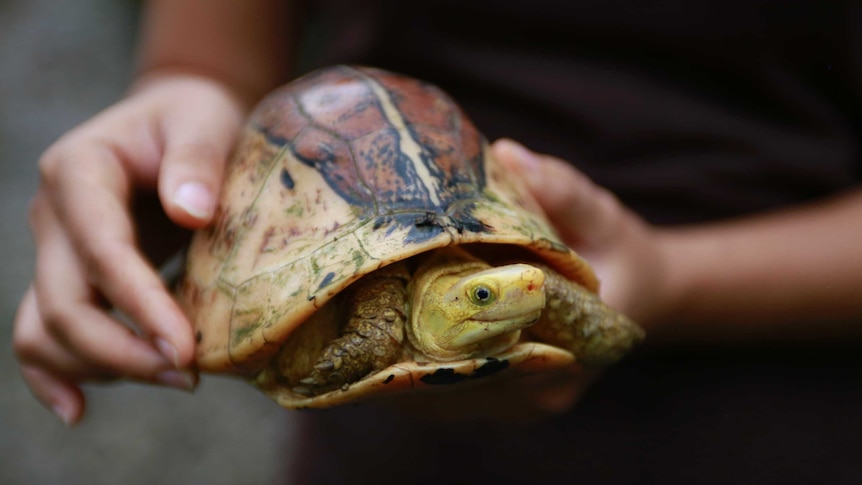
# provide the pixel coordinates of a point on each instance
(201, 66)
(795, 273)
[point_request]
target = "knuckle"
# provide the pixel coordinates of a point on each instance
(27, 337)
(26, 343)
(58, 321)
(30, 343)
(199, 160)
(51, 162)
(198, 154)
(81, 151)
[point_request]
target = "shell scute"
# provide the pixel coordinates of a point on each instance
(421, 104)
(211, 303)
(451, 140)
(328, 264)
(333, 159)
(258, 319)
(348, 110)
(389, 173)
(269, 118)
(460, 180)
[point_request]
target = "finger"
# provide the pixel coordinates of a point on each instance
(71, 316)
(37, 348)
(584, 213)
(63, 398)
(197, 145)
(67, 300)
(89, 190)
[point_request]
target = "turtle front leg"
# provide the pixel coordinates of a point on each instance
(576, 319)
(372, 337)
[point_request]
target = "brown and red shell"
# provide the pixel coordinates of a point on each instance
(339, 173)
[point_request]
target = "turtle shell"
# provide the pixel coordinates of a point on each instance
(337, 174)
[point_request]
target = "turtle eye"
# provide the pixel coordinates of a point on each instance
(482, 295)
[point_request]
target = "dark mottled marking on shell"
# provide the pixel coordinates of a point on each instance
(334, 122)
(421, 232)
(435, 121)
(447, 376)
(198, 336)
(463, 220)
(326, 280)
(380, 222)
(286, 179)
(443, 377)
(491, 366)
(388, 172)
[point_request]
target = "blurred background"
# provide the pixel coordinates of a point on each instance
(60, 63)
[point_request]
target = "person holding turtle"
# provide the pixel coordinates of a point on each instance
(716, 195)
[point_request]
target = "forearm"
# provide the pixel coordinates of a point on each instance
(242, 44)
(768, 274)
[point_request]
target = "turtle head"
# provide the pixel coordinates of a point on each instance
(464, 309)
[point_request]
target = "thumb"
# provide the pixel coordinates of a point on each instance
(197, 143)
(582, 212)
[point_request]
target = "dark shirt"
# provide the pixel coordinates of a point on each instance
(689, 111)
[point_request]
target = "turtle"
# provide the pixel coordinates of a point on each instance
(366, 243)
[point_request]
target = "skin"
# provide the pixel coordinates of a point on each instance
(200, 67)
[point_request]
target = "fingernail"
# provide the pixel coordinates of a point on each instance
(178, 379)
(168, 351)
(64, 414)
(195, 199)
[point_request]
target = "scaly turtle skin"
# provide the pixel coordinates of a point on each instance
(366, 243)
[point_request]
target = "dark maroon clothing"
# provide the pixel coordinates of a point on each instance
(689, 111)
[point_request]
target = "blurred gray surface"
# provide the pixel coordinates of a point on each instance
(61, 62)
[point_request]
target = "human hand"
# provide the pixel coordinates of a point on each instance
(623, 250)
(170, 136)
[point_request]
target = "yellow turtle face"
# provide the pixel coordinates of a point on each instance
(462, 308)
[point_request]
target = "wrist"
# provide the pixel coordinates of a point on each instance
(242, 45)
(680, 256)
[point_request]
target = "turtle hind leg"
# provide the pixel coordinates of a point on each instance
(372, 337)
(576, 319)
